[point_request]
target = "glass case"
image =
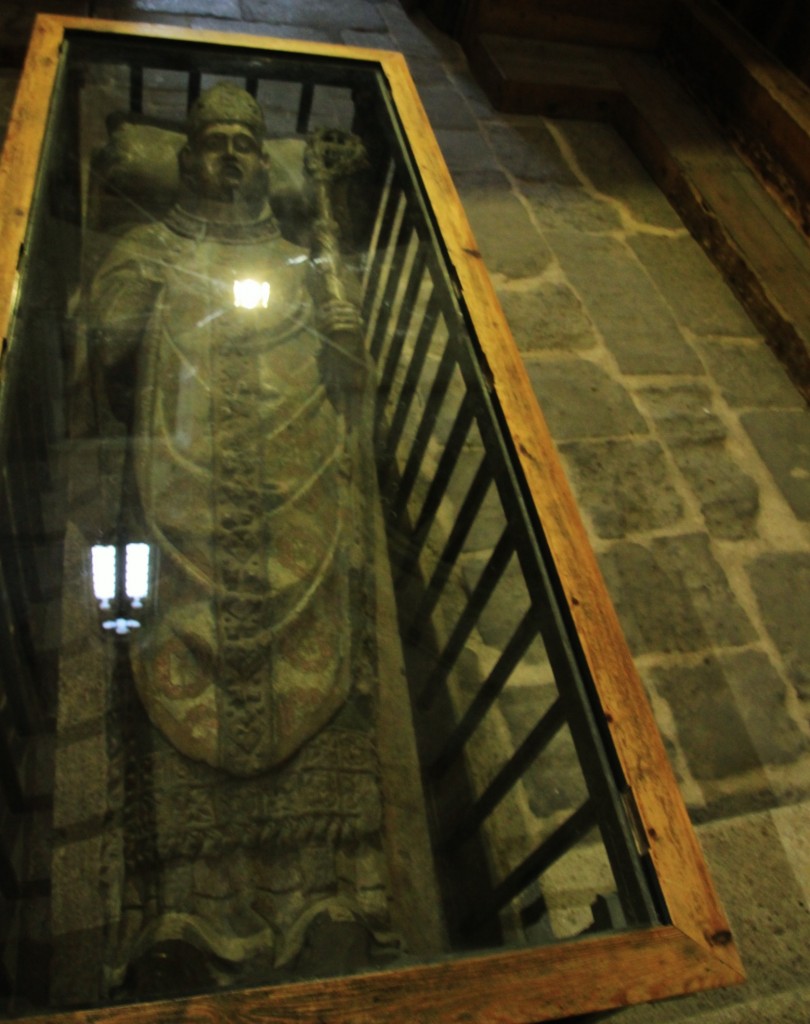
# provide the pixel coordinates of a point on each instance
(312, 702)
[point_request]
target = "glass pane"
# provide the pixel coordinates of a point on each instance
(289, 691)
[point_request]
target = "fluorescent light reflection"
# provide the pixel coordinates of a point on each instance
(121, 625)
(250, 294)
(137, 573)
(104, 561)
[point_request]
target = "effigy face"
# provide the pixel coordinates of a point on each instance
(306, 667)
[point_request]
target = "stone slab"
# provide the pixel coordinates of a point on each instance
(624, 486)
(301, 33)
(370, 40)
(446, 107)
(208, 8)
(614, 170)
(768, 914)
(416, 37)
(701, 701)
(771, 924)
(782, 1008)
(509, 242)
(570, 207)
(781, 583)
(684, 415)
(684, 412)
(782, 438)
(674, 596)
(548, 316)
(579, 399)
(114, 10)
(335, 15)
(476, 98)
(472, 163)
(528, 150)
(764, 704)
(749, 374)
(692, 286)
(731, 714)
(728, 496)
(793, 825)
(634, 320)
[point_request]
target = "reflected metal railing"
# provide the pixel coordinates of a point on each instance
(400, 336)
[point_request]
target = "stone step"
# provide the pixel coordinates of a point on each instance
(528, 75)
(741, 226)
(791, 1007)
(745, 231)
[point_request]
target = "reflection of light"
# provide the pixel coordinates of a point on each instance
(120, 625)
(103, 559)
(137, 573)
(105, 575)
(250, 294)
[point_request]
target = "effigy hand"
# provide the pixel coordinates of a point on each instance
(338, 317)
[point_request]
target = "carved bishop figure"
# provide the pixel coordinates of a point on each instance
(237, 368)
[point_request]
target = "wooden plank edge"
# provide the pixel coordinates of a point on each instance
(544, 984)
(553, 96)
(764, 107)
(526, 20)
(21, 158)
(674, 850)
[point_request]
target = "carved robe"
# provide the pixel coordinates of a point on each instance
(255, 806)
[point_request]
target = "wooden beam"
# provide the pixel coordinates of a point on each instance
(532, 76)
(764, 107)
(634, 24)
(633, 967)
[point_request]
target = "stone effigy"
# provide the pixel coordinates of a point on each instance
(249, 797)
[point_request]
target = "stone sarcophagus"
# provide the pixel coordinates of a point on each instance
(312, 702)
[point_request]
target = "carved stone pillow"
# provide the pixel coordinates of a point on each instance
(135, 177)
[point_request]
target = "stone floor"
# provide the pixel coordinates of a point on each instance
(687, 447)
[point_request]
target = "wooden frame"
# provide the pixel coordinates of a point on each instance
(695, 951)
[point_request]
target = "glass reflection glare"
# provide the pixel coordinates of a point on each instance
(104, 560)
(250, 294)
(137, 573)
(121, 625)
